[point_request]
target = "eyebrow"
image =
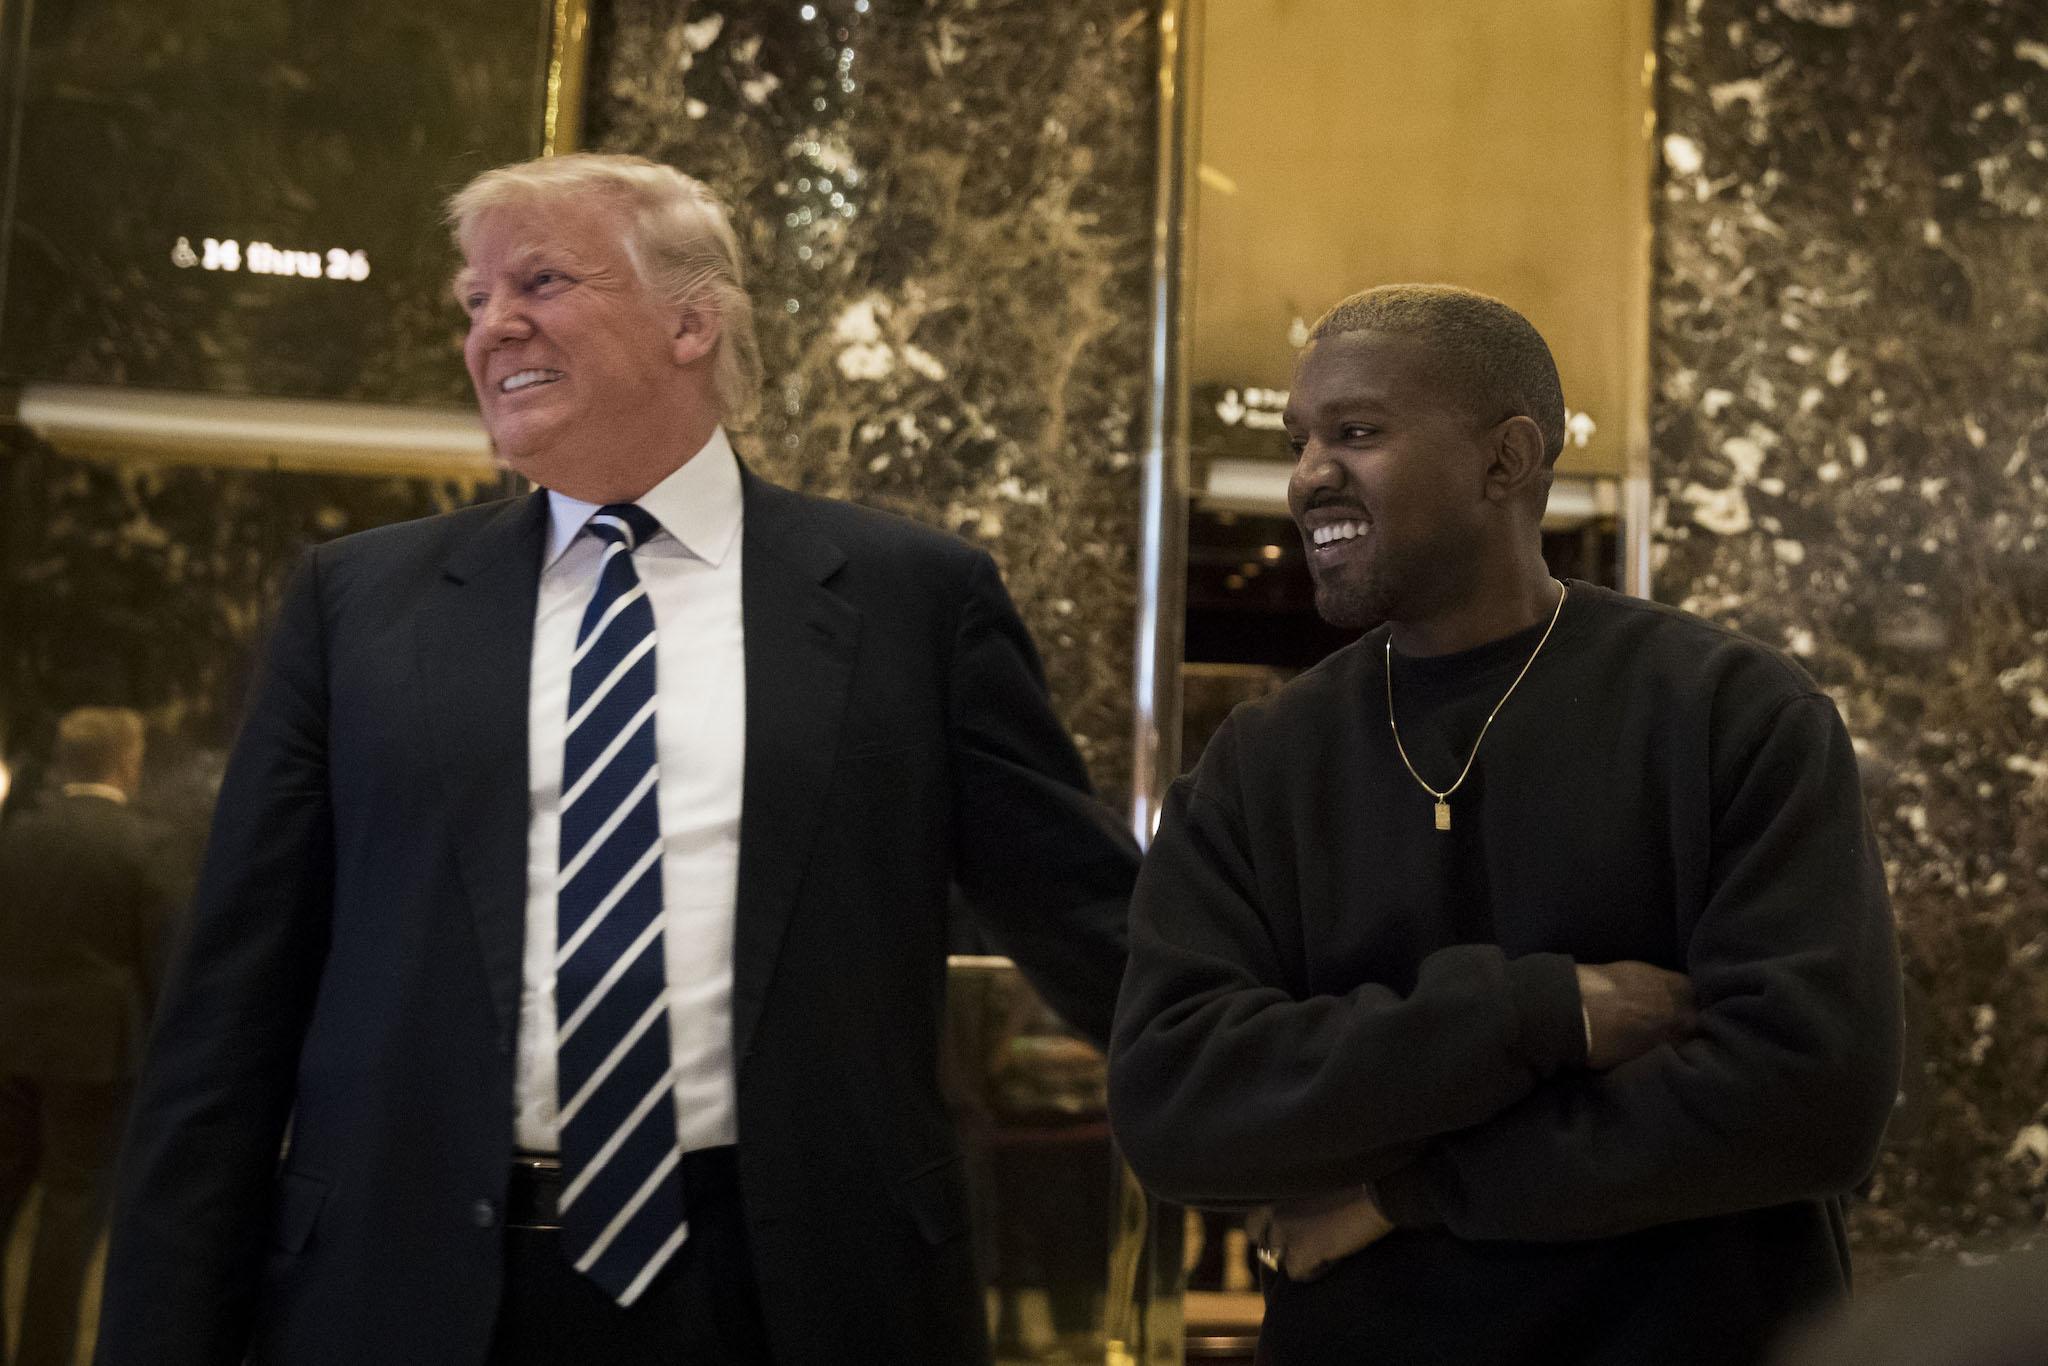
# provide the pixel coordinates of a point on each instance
(521, 258)
(1343, 403)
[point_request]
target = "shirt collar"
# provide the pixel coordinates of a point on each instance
(106, 791)
(698, 504)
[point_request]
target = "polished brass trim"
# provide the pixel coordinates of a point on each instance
(979, 962)
(568, 64)
(1633, 526)
(17, 17)
(1142, 1311)
(116, 424)
(1163, 511)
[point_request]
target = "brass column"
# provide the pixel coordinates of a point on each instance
(1145, 1323)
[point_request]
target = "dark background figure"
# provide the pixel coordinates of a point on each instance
(83, 913)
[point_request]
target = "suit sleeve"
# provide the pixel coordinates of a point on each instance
(1229, 1088)
(1047, 867)
(194, 1193)
(1783, 1093)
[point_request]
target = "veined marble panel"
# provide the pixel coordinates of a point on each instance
(1850, 361)
(946, 206)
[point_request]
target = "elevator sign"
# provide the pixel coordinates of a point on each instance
(1258, 409)
(261, 258)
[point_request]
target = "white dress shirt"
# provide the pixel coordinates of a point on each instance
(691, 571)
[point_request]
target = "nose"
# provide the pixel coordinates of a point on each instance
(498, 320)
(1314, 471)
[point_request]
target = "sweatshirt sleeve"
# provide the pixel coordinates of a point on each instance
(1783, 1093)
(1228, 1089)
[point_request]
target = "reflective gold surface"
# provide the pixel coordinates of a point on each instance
(568, 62)
(1146, 1276)
(1030, 1100)
(259, 208)
(1348, 143)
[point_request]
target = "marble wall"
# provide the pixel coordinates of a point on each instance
(1850, 361)
(947, 205)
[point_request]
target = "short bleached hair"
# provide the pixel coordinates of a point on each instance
(1498, 362)
(676, 233)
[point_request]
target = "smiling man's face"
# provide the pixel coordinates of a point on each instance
(1389, 478)
(567, 348)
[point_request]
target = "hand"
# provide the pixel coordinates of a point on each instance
(1307, 1237)
(1631, 1008)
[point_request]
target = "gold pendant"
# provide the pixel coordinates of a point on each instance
(1443, 815)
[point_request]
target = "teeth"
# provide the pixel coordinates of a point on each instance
(526, 379)
(1338, 531)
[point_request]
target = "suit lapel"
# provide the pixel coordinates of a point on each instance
(475, 646)
(800, 643)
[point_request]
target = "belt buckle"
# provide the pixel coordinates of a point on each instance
(536, 1188)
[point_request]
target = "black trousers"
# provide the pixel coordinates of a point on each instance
(702, 1309)
(63, 1135)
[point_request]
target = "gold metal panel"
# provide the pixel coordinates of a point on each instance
(568, 63)
(1348, 143)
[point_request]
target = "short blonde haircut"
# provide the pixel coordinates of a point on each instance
(677, 234)
(95, 744)
(1499, 361)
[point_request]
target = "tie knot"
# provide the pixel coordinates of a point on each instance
(627, 523)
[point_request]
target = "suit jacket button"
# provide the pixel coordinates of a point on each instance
(483, 1214)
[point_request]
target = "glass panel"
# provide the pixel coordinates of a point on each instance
(254, 215)
(149, 587)
(1031, 1101)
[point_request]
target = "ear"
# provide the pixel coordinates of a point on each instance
(1515, 468)
(696, 336)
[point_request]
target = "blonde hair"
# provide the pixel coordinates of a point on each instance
(94, 744)
(677, 234)
(1500, 362)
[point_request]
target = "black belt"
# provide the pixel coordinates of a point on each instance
(533, 1198)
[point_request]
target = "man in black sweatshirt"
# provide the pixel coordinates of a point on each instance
(1416, 954)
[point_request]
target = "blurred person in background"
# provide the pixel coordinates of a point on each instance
(84, 911)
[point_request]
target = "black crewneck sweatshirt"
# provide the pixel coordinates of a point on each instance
(1325, 990)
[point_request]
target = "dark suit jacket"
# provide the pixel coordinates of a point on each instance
(354, 965)
(83, 912)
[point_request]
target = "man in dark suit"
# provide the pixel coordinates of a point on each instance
(577, 897)
(82, 916)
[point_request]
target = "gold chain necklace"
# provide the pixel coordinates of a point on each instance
(1443, 798)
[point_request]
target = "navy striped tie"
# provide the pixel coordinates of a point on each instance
(622, 1197)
